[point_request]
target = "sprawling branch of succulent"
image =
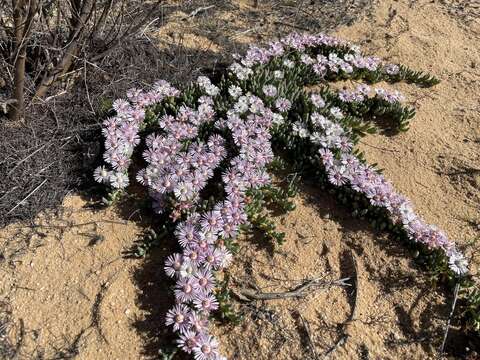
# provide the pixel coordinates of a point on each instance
(206, 151)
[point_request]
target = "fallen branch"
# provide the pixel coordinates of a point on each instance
(21, 339)
(299, 291)
(70, 224)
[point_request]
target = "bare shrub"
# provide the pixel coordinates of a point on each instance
(43, 41)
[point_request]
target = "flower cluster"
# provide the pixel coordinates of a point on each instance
(121, 131)
(344, 58)
(176, 169)
(194, 149)
(325, 128)
(257, 55)
(363, 91)
(202, 235)
(344, 168)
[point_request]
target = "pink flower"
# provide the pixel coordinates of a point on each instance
(336, 177)
(211, 221)
(205, 302)
(178, 317)
(186, 234)
(206, 349)
(173, 264)
(283, 104)
(185, 290)
(204, 280)
(187, 341)
(197, 322)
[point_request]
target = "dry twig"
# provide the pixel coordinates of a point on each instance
(297, 292)
(198, 11)
(26, 197)
(447, 327)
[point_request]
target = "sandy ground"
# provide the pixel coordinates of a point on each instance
(68, 291)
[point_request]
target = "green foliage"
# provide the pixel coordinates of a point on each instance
(470, 311)
(227, 312)
(113, 197)
(415, 77)
(148, 240)
(168, 354)
(104, 106)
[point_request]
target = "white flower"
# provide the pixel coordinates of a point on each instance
(336, 112)
(119, 180)
(277, 119)
(334, 58)
(241, 106)
(184, 191)
(300, 130)
(101, 174)
(212, 90)
(355, 49)
(186, 270)
(392, 69)
(346, 67)
(270, 90)
(240, 71)
(317, 100)
(457, 262)
(304, 58)
(203, 81)
(288, 63)
(235, 91)
(320, 120)
(278, 74)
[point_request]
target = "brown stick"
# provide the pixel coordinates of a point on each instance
(118, 39)
(447, 327)
(70, 52)
(299, 291)
(23, 14)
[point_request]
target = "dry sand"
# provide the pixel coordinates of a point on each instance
(71, 293)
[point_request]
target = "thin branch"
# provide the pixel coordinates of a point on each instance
(131, 30)
(447, 327)
(70, 52)
(103, 17)
(291, 25)
(297, 292)
(28, 196)
(26, 158)
(198, 11)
